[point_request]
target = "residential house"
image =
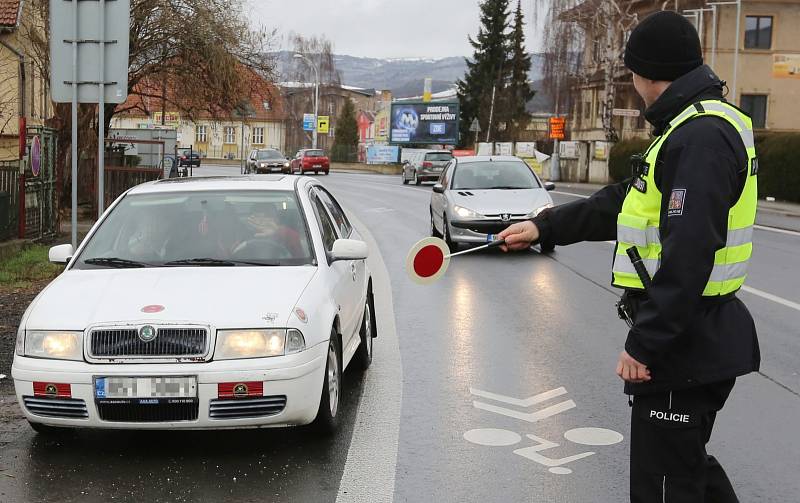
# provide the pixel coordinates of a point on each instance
(24, 88)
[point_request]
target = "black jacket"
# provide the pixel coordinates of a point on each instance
(683, 338)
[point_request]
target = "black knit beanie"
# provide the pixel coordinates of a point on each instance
(664, 46)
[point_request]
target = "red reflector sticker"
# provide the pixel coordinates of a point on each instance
(55, 390)
(155, 308)
(240, 389)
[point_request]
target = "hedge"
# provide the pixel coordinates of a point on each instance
(619, 160)
(778, 164)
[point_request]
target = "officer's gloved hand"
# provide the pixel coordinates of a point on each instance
(519, 236)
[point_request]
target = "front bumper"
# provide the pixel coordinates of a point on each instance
(276, 168)
(478, 231)
(298, 377)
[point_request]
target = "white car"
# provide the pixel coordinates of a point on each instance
(201, 303)
(479, 196)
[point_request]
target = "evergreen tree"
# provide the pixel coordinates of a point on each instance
(345, 143)
(519, 92)
(487, 70)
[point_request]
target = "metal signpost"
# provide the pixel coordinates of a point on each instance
(89, 64)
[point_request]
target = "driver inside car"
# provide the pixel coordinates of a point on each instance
(268, 224)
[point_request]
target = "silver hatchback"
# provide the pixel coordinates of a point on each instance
(477, 197)
(425, 166)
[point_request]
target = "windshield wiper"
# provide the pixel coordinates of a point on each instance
(213, 262)
(116, 262)
(507, 187)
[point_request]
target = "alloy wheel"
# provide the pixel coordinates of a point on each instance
(333, 379)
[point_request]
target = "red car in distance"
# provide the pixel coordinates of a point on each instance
(312, 159)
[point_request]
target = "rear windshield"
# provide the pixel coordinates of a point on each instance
(269, 154)
(315, 153)
(494, 175)
(439, 156)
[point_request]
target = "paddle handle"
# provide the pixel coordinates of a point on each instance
(493, 244)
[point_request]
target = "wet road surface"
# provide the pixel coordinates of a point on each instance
(508, 392)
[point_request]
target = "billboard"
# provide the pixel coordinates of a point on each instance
(424, 123)
(382, 154)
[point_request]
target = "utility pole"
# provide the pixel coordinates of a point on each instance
(491, 114)
(316, 96)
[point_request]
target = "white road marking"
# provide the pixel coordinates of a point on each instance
(554, 465)
(593, 436)
(773, 298)
(492, 437)
(530, 417)
(369, 472)
(526, 402)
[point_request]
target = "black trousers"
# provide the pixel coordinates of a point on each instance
(669, 433)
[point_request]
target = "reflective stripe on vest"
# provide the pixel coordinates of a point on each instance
(638, 222)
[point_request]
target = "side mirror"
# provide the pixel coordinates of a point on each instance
(549, 186)
(348, 249)
(61, 254)
(438, 188)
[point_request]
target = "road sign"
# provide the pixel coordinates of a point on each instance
(475, 127)
(114, 24)
(308, 122)
(558, 128)
(323, 124)
(36, 156)
(625, 112)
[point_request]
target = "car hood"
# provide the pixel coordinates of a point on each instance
(492, 202)
(223, 297)
(272, 161)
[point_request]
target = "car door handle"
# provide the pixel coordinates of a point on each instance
(353, 269)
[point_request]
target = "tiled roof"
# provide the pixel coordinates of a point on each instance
(9, 12)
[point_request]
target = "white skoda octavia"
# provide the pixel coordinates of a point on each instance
(201, 303)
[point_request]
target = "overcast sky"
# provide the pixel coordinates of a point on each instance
(379, 28)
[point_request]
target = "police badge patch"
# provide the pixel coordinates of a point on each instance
(676, 200)
(640, 185)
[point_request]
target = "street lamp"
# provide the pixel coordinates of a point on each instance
(316, 96)
(738, 4)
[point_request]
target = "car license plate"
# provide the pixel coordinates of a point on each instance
(146, 387)
(317, 165)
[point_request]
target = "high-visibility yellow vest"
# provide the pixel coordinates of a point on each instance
(638, 222)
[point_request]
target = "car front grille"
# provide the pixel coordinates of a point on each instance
(67, 408)
(136, 410)
(241, 408)
(181, 342)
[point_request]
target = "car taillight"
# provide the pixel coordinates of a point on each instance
(240, 389)
(183, 158)
(50, 389)
(427, 164)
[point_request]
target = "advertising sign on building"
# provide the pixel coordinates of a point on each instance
(504, 148)
(625, 112)
(786, 66)
(558, 128)
(526, 149)
(382, 154)
(424, 123)
(568, 150)
(601, 150)
(485, 148)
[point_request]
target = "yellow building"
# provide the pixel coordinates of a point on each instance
(24, 92)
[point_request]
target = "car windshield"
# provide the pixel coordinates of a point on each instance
(314, 153)
(264, 155)
(439, 156)
(225, 228)
(486, 175)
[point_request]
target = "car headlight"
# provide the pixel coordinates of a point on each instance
(465, 212)
(263, 165)
(535, 213)
(54, 344)
(233, 344)
(286, 165)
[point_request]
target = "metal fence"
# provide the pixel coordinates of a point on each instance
(9, 199)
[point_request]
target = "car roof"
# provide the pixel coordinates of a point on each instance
(488, 158)
(224, 183)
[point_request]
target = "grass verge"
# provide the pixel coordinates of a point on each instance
(28, 266)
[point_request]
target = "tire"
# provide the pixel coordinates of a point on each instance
(446, 236)
(327, 420)
(417, 181)
(367, 334)
(403, 176)
(434, 232)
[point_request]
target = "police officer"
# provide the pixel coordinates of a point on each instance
(687, 215)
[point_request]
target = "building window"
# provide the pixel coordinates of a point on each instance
(597, 51)
(332, 108)
(267, 106)
(230, 134)
(755, 105)
(758, 32)
(201, 135)
(258, 135)
(587, 109)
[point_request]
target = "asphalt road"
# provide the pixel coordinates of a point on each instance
(494, 384)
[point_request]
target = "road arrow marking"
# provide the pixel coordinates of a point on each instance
(526, 402)
(531, 417)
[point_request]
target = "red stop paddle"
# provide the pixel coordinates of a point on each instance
(428, 259)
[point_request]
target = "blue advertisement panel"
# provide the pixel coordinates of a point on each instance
(424, 123)
(382, 154)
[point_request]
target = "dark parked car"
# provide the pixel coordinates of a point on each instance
(267, 160)
(313, 159)
(187, 157)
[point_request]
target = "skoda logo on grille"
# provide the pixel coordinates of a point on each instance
(505, 217)
(147, 333)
